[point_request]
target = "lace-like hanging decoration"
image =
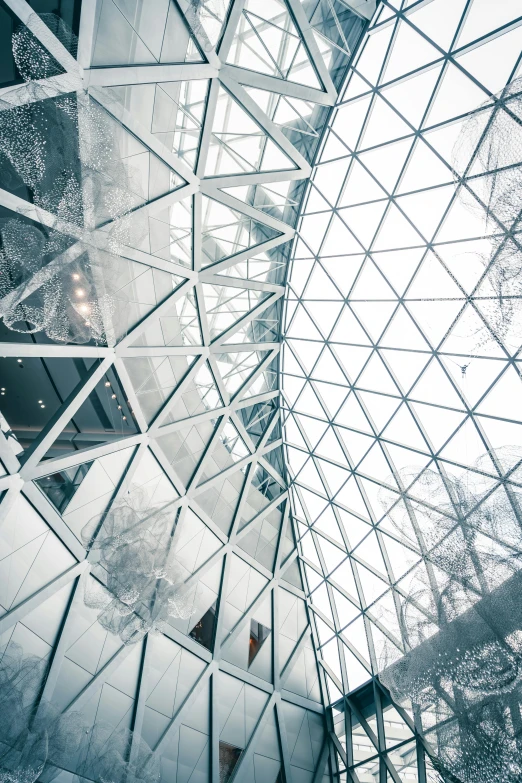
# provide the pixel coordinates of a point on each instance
(488, 157)
(58, 276)
(460, 620)
(206, 18)
(37, 741)
(132, 548)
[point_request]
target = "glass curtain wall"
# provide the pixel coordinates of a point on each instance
(402, 395)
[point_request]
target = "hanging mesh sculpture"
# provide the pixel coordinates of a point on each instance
(460, 621)
(488, 158)
(37, 741)
(132, 549)
(206, 18)
(59, 275)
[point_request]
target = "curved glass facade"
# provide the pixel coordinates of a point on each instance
(401, 379)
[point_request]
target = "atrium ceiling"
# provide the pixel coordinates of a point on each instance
(259, 384)
(401, 366)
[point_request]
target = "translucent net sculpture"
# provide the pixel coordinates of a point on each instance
(58, 275)
(460, 621)
(132, 549)
(117, 756)
(488, 158)
(37, 741)
(206, 18)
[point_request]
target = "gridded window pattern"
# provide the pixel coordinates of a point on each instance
(401, 364)
(168, 415)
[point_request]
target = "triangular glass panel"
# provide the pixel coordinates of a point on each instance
(136, 289)
(229, 756)
(274, 46)
(200, 395)
(395, 727)
(265, 267)
(411, 96)
(360, 187)
(172, 110)
(203, 630)
(255, 418)
(456, 95)
(143, 176)
(150, 480)
(175, 672)
(32, 557)
(227, 232)
(244, 587)
(420, 52)
(225, 305)
(260, 542)
(334, 40)
(295, 116)
(238, 370)
(424, 169)
(220, 500)
(258, 635)
(104, 416)
(273, 198)
(61, 487)
(287, 545)
(126, 37)
(477, 24)
(440, 23)
(292, 574)
(275, 457)
(363, 221)
(384, 125)
(264, 328)
(185, 447)
(154, 378)
(370, 60)
(386, 162)
(169, 234)
(194, 543)
(238, 145)
(228, 449)
(178, 326)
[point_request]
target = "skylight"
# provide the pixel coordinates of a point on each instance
(403, 328)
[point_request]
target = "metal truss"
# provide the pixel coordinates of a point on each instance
(385, 380)
(217, 465)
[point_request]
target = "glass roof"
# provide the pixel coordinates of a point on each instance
(401, 364)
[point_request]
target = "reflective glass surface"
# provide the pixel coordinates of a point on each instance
(401, 378)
